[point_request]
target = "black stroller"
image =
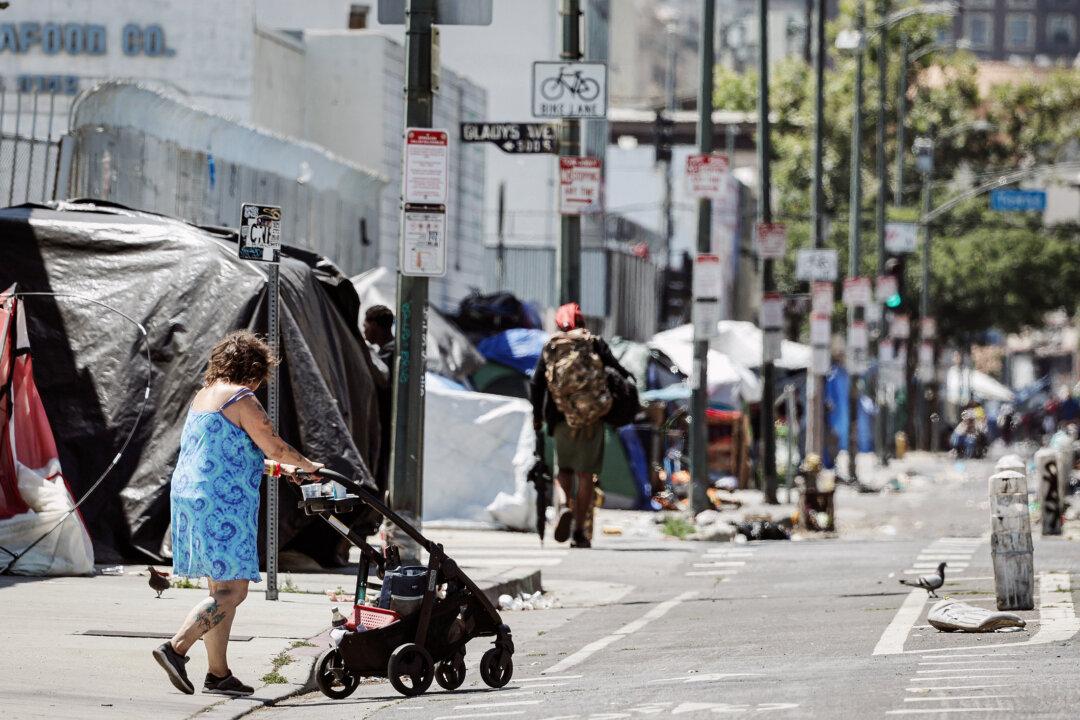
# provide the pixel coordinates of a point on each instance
(417, 647)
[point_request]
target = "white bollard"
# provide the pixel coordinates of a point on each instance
(1051, 492)
(1011, 549)
(1011, 462)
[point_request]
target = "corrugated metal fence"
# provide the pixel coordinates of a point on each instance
(31, 123)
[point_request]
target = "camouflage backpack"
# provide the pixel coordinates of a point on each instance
(576, 379)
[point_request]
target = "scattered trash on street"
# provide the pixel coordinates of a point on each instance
(525, 601)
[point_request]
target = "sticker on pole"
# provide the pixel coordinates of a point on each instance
(857, 292)
(579, 184)
(813, 265)
(901, 238)
(427, 166)
(771, 241)
(706, 175)
(705, 287)
(423, 241)
(260, 232)
(569, 89)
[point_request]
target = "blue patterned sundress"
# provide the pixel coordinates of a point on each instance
(215, 498)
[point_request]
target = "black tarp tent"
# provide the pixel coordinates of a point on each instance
(187, 287)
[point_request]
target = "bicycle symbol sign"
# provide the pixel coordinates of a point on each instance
(569, 90)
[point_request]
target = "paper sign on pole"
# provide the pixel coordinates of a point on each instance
(706, 175)
(579, 184)
(858, 355)
(705, 286)
(857, 292)
(772, 345)
(900, 327)
(772, 311)
(813, 265)
(886, 287)
(926, 362)
(873, 314)
(822, 298)
(423, 241)
(820, 361)
(901, 238)
(820, 330)
(427, 163)
(928, 328)
(771, 241)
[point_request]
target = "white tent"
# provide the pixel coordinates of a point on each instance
(980, 385)
(742, 342)
(477, 448)
(729, 382)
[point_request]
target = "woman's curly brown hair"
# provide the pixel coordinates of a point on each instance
(240, 358)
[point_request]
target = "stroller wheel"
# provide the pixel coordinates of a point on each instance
(450, 673)
(331, 677)
(497, 667)
(410, 669)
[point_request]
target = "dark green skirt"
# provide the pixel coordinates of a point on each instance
(580, 450)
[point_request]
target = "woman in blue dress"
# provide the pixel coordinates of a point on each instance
(224, 451)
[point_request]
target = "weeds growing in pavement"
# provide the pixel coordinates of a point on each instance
(301, 643)
(183, 583)
(273, 678)
(289, 586)
(678, 527)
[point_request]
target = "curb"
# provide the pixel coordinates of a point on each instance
(300, 674)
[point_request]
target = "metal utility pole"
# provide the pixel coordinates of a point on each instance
(700, 401)
(407, 440)
(570, 145)
(924, 152)
(901, 120)
(856, 312)
(669, 104)
(883, 59)
(815, 417)
(768, 281)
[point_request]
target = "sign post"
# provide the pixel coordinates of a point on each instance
(260, 241)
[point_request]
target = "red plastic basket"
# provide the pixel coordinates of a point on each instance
(372, 617)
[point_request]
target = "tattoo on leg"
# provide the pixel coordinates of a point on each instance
(210, 616)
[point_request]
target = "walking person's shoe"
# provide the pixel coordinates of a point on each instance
(563, 525)
(173, 663)
(581, 540)
(228, 685)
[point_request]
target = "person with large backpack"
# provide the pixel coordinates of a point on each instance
(570, 393)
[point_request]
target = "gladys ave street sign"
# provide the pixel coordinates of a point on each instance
(512, 137)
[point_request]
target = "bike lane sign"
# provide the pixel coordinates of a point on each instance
(569, 89)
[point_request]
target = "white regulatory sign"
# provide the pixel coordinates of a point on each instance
(772, 311)
(427, 164)
(771, 241)
(569, 89)
(901, 238)
(423, 242)
(260, 232)
(813, 265)
(706, 175)
(857, 291)
(579, 184)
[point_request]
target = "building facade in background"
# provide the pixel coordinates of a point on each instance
(1040, 31)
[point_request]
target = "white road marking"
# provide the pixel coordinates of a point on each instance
(545, 685)
(480, 715)
(984, 676)
(935, 711)
(892, 640)
(496, 705)
(966, 662)
(933, 565)
(922, 571)
(732, 553)
(957, 687)
(968, 655)
(508, 562)
(710, 573)
(547, 678)
(956, 697)
(723, 563)
(938, 671)
(597, 645)
(707, 677)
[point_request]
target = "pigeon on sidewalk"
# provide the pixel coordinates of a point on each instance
(929, 583)
(159, 581)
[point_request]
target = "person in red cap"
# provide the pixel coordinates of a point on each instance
(570, 393)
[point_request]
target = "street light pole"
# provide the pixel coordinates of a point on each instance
(768, 281)
(883, 67)
(570, 145)
(700, 400)
(815, 411)
(901, 120)
(856, 313)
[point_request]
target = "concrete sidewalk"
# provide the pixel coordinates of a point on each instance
(80, 647)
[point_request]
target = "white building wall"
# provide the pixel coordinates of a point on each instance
(278, 72)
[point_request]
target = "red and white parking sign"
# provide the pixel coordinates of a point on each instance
(706, 175)
(579, 184)
(427, 166)
(771, 241)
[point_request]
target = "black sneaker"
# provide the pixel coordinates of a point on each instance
(581, 541)
(173, 663)
(227, 685)
(562, 525)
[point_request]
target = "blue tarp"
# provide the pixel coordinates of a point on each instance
(837, 385)
(518, 348)
(639, 465)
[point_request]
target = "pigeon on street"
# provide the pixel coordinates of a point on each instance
(929, 583)
(159, 581)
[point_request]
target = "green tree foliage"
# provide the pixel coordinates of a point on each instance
(978, 255)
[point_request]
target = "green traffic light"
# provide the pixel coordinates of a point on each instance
(893, 301)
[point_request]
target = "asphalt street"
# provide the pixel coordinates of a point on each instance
(802, 629)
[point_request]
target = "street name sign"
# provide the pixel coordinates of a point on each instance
(1018, 200)
(706, 175)
(427, 166)
(513, 137)
(901, 238)
(569, 89)
(447, 12)
(771, 241)
(579, 184)
(423, 241)
(813, 265)
(260, 232)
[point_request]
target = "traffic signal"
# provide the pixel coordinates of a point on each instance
(663, 131)
(894, 267)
